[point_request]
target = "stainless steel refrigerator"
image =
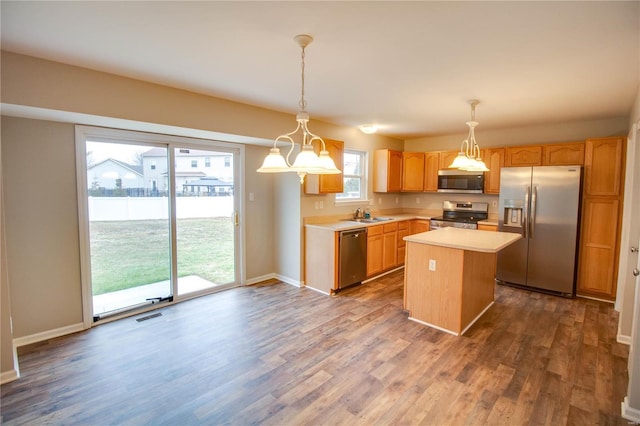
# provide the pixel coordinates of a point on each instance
(542, 204)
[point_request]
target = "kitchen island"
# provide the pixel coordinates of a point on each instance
(449, 276)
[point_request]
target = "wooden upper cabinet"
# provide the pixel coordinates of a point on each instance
(327, 184)
(431, 166)
(446, 158)
(412, 171)
(530, 155)
(563, 154)
(494, 159)
(387, 171)
(603, 161)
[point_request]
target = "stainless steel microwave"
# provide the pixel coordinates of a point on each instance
(460, 181)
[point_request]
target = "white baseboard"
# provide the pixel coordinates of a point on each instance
(318, 291)
(49, 334)
(282, 278)
(8, 376)
(630, 413)
(625, 340)
(288, 280)
(256, 280)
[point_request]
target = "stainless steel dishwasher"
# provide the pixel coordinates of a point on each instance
(353, 257)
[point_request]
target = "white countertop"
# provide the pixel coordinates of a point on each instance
(466, 239)
(343, 225)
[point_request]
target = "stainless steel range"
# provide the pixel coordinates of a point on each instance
(461, 214)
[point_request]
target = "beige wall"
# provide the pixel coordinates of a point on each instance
(41, 218)
(544, 133)
(8, 361)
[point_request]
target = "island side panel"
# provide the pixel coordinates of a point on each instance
(321, 259)
(478, 284)
(434, 297)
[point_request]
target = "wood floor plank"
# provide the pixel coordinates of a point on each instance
(274, 354)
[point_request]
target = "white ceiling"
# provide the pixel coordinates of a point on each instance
(408, 66)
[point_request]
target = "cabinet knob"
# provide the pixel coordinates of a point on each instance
(634, 249)
(636, 272)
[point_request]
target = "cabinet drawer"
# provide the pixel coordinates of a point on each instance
(390, 227)
(374, 230)
(406, 224)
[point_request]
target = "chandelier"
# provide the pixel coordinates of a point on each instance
(469, 156)
(306, 161)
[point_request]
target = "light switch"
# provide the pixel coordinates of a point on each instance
(252, 196)
(432, 264)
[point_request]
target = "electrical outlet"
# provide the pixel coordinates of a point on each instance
(432, 264)
(397, 200)
(379, 200)
(322, 204)
(494, 203)
(315, 205)
(417, 200)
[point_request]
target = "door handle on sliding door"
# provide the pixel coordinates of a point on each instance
(236, 218)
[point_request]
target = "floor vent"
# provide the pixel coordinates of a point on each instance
(157, 314)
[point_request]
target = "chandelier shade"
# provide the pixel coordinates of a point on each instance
(306, 161)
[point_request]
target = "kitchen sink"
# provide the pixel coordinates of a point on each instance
(371, 220)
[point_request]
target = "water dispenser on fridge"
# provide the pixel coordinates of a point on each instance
(513, 213)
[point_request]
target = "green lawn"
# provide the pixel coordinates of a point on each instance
(127, 254)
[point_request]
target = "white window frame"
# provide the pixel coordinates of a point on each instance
(363, 180)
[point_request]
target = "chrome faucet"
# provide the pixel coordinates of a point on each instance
(358, 213)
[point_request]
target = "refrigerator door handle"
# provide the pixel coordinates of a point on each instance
(525, 215)
(534, 201)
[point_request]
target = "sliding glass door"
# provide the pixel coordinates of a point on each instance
(205, 209)
(128, 215)
(159, 218)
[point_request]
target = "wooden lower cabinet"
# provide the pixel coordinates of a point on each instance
(420, 225)
(375, 245)
(597, 272)
(390, 246)
(321, 259)
(404, 229)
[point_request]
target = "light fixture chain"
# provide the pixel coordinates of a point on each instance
(302, 104)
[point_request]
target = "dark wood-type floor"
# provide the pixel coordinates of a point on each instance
(275, 354)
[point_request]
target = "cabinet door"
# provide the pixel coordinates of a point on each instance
(523, 156)
(327, 184)
(431, 167)
(446, 158)
(420, 225)
(597, 272)
(387, 171)
(412, 171)
(494, 159)
(404, 229)
(389, 250)
(565, 154)
(395, 171)
(374, 254)
(603, 166)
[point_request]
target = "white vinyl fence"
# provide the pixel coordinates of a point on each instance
(143, 208)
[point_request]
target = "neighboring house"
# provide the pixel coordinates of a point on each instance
(207, 186)
(190, 164)
(112, 174)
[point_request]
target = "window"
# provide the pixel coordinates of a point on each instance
(207, 161)
(227, 161)
(153, 165)
(194, 164)
(355, 177)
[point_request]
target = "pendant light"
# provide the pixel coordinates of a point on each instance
(307, 161)
(469, 156)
